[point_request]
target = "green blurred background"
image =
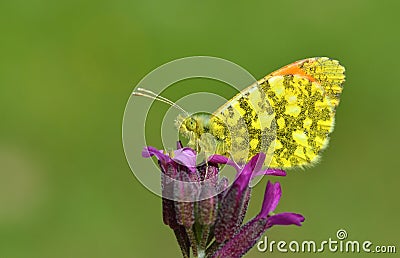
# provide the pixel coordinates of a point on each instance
(67, 69)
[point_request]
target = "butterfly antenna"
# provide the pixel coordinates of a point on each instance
(151, 95)
(155, 95)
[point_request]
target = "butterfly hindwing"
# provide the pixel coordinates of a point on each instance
(297, 102)
(304, 118)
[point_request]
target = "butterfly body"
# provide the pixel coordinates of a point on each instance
(288, 114)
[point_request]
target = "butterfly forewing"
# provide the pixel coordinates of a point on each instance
(250, 124)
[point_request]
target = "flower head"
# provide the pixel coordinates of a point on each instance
(181, 156)
(198, 195)
(234, 204)
(248, 235)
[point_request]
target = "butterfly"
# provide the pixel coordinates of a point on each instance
(288, 115)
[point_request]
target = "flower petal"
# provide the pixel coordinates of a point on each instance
(186, 157)
(151, 151)
(272, 196)
(259, 161)
(285, 218)
(270, 172)
(219, 159)
(253, 165)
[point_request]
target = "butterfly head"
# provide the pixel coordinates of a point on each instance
(193, 127)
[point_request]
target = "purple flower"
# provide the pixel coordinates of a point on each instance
(233, 207)
(248, 235)
(205, 213)
(181, 156)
